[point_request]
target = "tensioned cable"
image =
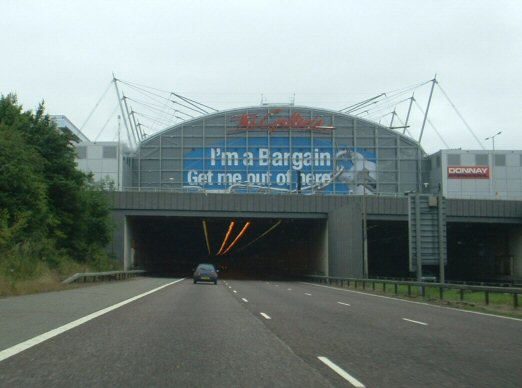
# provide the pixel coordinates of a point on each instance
(107, 122)
(461, 117)
(227, 236)
(238, 237)
(205, 231)
(96, 106)
(170, 92)
(261, 235)
(431, 124)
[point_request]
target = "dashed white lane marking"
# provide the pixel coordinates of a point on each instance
(244, 300)
(235, 292)
(411, 301)
(265, 316)
(229, 286)
(341, 372)
(306, 293)
(344, 304)
(9, 352)
(417, 322)
(289, 289)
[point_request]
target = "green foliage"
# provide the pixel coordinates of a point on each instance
(50, 211)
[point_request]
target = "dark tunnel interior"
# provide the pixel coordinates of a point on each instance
(291, 247)
(175, 245)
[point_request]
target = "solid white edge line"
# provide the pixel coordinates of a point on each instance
(417, 322)
(13, 350)
(341, 372)
(344, 304)
(244, 300)
(411, 301)
(266, 316)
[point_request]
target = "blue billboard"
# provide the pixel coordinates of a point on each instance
(276, 164)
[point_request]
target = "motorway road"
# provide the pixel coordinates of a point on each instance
(244, 333)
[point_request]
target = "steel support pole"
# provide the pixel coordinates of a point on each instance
(442, 252)
(418, 236)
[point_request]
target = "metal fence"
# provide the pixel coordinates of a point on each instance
(384, 285)
(102, 276)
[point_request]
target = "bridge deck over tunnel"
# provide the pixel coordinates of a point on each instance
(318, 234)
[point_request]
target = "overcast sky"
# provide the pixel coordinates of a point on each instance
(227, 53)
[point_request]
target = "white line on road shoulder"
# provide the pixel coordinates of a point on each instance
(306, 293)
(244, 300)
(411, 301)
(265, 316)
(417, 322)
(345, 375)
(344, 304)
(9, 352)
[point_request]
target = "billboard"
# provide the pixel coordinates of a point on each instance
(275, 164)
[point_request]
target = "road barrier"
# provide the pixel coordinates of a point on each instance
(421, 286)
(102, 276)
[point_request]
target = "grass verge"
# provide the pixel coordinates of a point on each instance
(499, 304)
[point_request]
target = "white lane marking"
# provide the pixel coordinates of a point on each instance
(306, 293)
(417, 322)
(229, 286)
(244, 300)
(341, 372)
(13, 350)
(411, 301)
(344, 304)
(265, 316)
(277, 285)
(235, 292)
(289, 289)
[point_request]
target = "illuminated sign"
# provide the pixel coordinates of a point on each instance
(468, 172)
(270, 122)
(272, 164)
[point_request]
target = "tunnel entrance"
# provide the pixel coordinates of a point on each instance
(266, 247)
(476, 251)
(388, 249)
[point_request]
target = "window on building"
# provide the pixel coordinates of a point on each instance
(81, 152)
(109, 152)
(500, 160)
(481, 160)
(453, 160)
(437, 158)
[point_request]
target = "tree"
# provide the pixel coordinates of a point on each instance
(40, 183)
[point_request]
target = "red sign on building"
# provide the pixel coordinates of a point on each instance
(468, 172)
(271, 122)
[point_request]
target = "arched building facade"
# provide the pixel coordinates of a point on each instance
(279, 149)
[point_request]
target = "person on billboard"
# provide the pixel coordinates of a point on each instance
(359, 173)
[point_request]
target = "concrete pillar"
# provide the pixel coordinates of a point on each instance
(345, 241)
(515, 247)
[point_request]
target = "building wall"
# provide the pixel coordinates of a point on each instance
(104, 160)
(504, 180)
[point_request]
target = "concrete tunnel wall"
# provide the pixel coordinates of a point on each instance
(337, 248)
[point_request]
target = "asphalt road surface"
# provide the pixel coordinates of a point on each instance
(244, 333)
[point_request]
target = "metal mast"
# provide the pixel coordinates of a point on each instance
(121, 107)
(434, 81)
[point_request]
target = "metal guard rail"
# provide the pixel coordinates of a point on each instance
(102, 276)
(515, 292)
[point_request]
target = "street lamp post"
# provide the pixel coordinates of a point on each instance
(493, 139)
(492, 161)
